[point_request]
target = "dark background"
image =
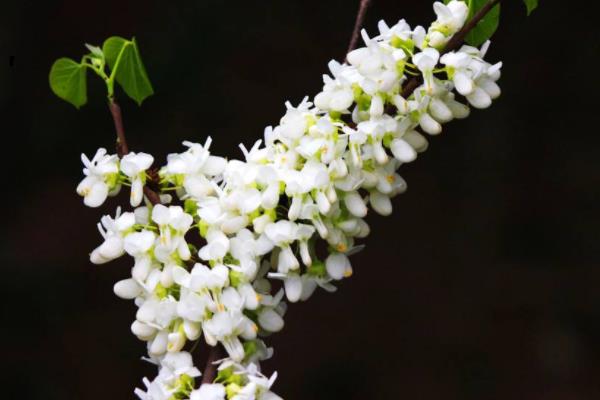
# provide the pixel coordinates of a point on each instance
(482, 285)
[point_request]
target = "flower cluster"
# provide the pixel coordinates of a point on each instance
(217, 258)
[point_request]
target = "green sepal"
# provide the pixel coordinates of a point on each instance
(232, 389)
(317, 268)
(160, 291)
(236, 278)
(364, 102)
(203, 228)
(190, 206)
(250, 348)
(387, 139)
(407, 45)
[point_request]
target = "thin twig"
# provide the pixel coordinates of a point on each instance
(122, 148)
(459, 36)
(360, 17)
(115, 111)
(454, 42)
(210, 371)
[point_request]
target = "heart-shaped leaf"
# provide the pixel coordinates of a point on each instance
(123, 58)
(68, 81)
(486, 27)
(531, 5)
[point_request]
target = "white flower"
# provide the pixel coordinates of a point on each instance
(458, 63)
(283, 233)
(270, 320)
(294, 123)
(172, 367)
(338, 266)
(217, 246)
(177, 364)
(225, 326)
(202, 277)
(402, 150)
(319, 171)
(134, 166)
(355, 204)
(426, 62)
(173, 223)
(209, 391)
(450, 18)
(337, 94)
(113, 231)
(101, 178)
(127, 289)
(193, 306)
(401, 30)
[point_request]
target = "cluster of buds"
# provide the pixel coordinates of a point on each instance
(234, 239)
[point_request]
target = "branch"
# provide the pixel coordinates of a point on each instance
(459, 36)
(454, 42)
(115, 110)
(210, 371)
(122, 148)
(360, 17)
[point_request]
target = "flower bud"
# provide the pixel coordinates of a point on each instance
(416, 141)
(381, 203)
(355, 204)
(158, 345)
(192, 329)
(403, 151)
(293, 287)
(175, 341)
(127, 289)
(142, 331)
(479, 98)
(429, 125)
(270, 320)
(337, 265)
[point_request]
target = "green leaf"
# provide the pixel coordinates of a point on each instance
(94, 50)
(68, 81)
(123, 58)
(111, 49)
(531, 5)
(486, 27)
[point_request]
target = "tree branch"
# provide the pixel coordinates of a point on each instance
(123, 149)
(459, 36)
(210, 371)
(454, 42)
(360, 17)
(115, 111)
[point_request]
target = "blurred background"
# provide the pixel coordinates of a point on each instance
(483, 284)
